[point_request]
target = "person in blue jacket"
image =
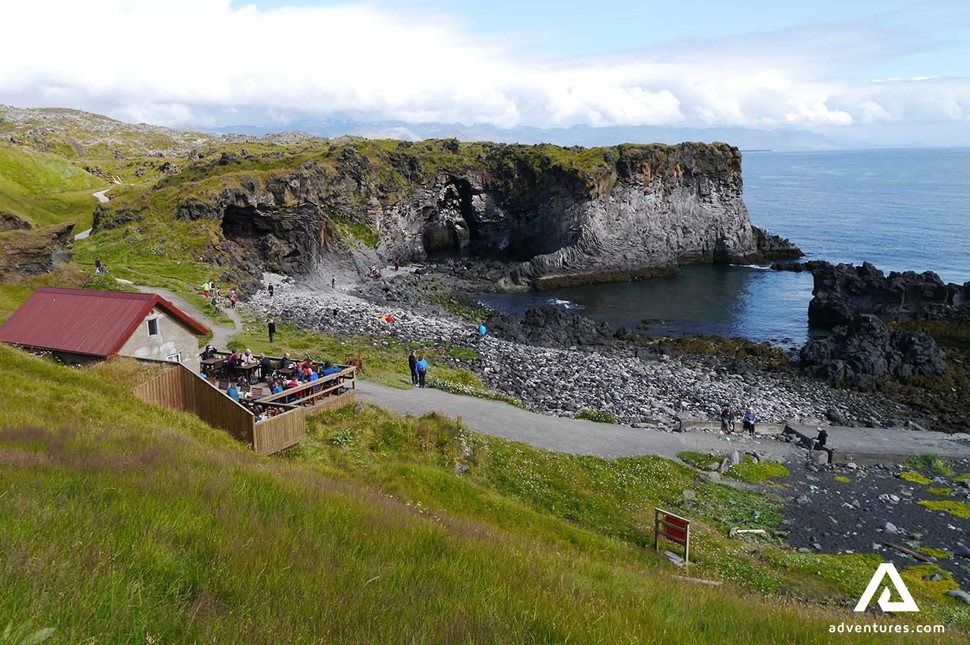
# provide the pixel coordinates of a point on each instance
(422, 368)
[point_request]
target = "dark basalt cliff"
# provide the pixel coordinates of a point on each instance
(554, 215)
(843, 292)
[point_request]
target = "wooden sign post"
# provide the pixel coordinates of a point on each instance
(674, 528)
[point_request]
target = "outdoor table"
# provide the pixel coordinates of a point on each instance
(246, 370)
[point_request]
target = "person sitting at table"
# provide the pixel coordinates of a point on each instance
(277, 386)
(248, 358)
(208, 353)
(234, 360)
(286, 362)
(329, 368)
(265, 367)
(233, 392)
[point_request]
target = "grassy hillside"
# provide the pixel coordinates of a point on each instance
(45, 188)
(121, 522)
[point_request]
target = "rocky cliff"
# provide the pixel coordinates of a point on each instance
(843, 292)
(554, 215)
(35, 251)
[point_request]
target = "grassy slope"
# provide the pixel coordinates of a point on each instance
(123, 522)
(45, 188)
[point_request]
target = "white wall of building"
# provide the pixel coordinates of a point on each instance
(173, 339)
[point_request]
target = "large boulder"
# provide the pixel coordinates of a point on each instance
(866, 349)
(549, 326)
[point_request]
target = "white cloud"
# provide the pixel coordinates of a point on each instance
(204, 62)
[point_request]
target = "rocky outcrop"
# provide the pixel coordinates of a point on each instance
(843, 292)
(36, 251)
(549, 326)
(11, 222)
(866, 350)
(553, 215)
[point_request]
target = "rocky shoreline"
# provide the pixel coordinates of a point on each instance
(637, 387)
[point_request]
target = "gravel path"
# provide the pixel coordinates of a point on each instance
(102, 197)
(573, 436)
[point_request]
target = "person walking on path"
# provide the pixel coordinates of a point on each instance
(422, 367)
(333, 282)
(97, 265)
(205, 289)
(413, 367)
(270, 291)
(272, 330)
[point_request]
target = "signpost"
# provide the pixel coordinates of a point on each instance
(674, 528)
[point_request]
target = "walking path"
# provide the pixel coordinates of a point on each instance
(101, 197)
(573, 436)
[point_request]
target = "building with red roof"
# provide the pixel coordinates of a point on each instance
(84, 324)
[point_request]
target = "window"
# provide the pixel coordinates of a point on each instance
(153, 327)
(175, 358)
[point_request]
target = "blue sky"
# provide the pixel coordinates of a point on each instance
(855, 69)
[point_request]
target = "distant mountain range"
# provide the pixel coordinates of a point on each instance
(744, 138)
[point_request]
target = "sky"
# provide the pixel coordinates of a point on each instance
(859, 70)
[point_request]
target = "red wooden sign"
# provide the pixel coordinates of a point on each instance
(674, 528)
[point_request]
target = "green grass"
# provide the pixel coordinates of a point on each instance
(599, 416)
(46, 189)
(122, 522)
(933, 463)
(463, 353)
(954, 508)
(962, 478)
(915, 477)
(842, 479)
(746, 471)
(700, 460)
(939, 554)
(752, 473)
(943, 492)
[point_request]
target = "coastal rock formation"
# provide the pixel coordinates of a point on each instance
(35, 251)
(843, 292)
(549, 326)
(866, 349)
(554, 215)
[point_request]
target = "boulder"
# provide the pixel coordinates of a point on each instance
(866, 350)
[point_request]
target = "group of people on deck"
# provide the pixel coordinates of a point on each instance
(287, 374)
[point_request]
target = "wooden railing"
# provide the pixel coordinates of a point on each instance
(179, 388)
(312, 393)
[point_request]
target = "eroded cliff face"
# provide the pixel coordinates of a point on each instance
(555, 215)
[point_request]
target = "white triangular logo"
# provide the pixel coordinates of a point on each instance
(887, 569)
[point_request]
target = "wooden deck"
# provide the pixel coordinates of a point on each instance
(181, 389)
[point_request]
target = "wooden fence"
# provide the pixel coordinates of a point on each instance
(180, 388)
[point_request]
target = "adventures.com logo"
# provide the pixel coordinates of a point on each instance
(886, 604)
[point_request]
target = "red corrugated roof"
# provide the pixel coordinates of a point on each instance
(84, 321)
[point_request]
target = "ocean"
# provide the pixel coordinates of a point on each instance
(899, 209)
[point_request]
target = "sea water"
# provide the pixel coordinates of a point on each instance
(899, 209)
